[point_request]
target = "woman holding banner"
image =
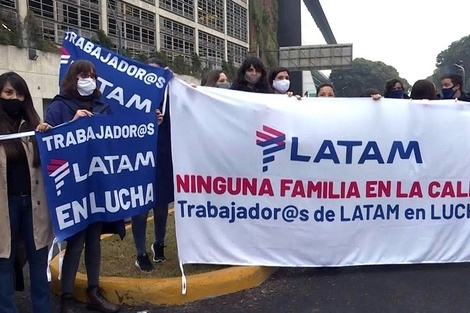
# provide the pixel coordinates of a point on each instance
(24, 216)
(252, 77)
(80, 97)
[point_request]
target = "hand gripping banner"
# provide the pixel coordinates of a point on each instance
(103, 168)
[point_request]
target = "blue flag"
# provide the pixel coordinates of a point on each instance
(103, 168)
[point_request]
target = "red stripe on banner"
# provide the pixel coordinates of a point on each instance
(263, 135)
(52, 168)
(57, 162)
(272, 131)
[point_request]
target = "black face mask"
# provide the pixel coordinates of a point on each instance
(12, 107)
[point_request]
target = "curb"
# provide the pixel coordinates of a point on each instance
(167, 291)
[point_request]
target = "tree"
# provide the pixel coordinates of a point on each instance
(35, 35)
(161, 55)
(103, 40)
(364, 74)
(195, 65)
(180, 66)
(141, 57)
(229, 69)
(458, 53)
(10, 29)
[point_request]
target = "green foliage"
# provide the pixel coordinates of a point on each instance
(265, 17)
(180, 66)
(204, 71)
(10, 29)
(229, 69)
(35, 35)
(263, 34)
(195, 65)
(161, 55)
(364, 74)
(103, 40)
(126, 52)
(458, 52)
(141, 57)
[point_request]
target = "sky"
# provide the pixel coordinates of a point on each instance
(406, 34)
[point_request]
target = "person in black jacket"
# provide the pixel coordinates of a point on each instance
(252, 77)
(452, 88)
(79, 98)
(394, 88)
(164, 193)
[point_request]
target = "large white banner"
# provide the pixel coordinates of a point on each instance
(268, 180)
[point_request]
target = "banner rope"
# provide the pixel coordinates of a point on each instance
(49, 258)
(165, 98)
(17, 135)
(183, 279)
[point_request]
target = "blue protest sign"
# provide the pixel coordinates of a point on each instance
(125, 83)
(103, 168)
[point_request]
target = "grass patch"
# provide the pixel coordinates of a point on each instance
(118, 257)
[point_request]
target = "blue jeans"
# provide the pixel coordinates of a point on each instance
(139, 227)
(21, 224)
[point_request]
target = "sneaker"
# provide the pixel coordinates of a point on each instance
(144, 263)
(158, 254)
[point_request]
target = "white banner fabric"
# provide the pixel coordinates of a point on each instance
(270, 180)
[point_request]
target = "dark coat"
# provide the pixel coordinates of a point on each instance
(464, 97)
(62, 110)
(164, 173)
(244, 87)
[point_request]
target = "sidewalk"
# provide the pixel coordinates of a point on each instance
(167, 291)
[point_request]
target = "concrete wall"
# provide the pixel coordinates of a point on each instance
(42, 74)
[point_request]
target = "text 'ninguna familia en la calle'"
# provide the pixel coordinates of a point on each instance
(199, 184)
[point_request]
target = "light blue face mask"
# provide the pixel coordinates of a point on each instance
(224, 85)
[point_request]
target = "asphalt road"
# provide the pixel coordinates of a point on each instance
(443, 288)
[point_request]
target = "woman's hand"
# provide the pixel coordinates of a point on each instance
(42, 127)
(159, 117)
(291, 94)
(82, 113)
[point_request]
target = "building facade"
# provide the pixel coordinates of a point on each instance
(216, 30)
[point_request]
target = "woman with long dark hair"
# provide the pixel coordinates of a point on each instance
(24, 215)
(252, 76)
(215, 78)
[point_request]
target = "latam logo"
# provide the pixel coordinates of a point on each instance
(64, 56)
(337, 151)
(272, 141)
(58, 169)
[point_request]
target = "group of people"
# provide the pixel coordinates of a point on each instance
(252, 76)
(25, 224)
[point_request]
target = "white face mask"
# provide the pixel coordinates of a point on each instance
(86, 86)
(281, 85)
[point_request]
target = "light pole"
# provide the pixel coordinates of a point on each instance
(463, 72)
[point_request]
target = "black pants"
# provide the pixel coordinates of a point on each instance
(90, 237)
